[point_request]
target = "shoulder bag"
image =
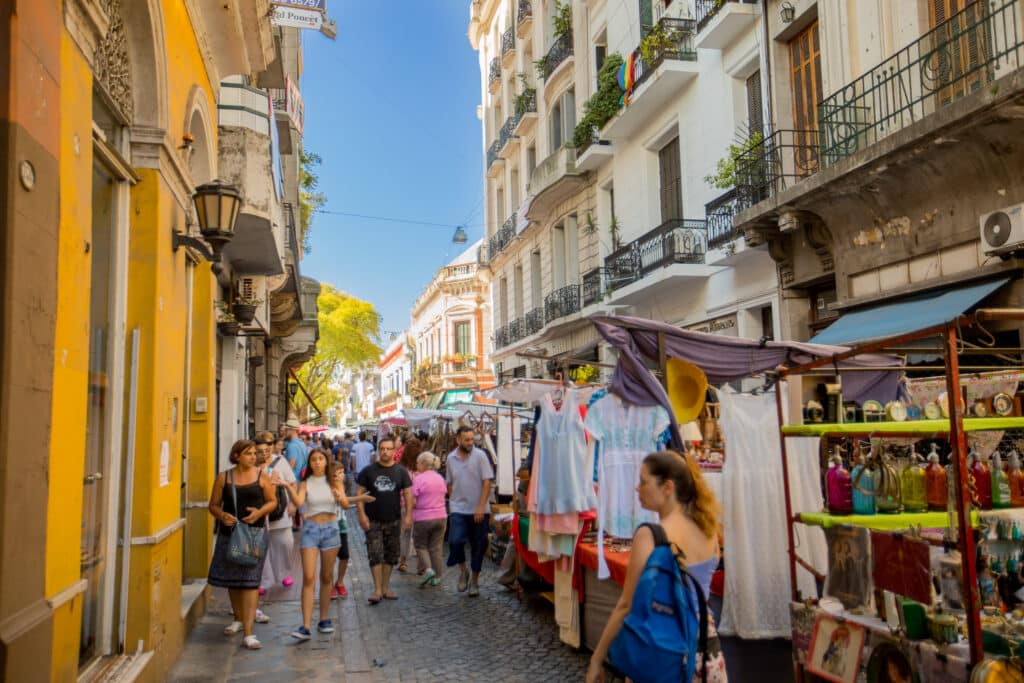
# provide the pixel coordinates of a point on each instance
(248, 544)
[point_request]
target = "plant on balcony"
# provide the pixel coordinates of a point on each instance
(227, 324)
(523, 99)
(615, 232)
(541, 66)
(589, 226)
(562, 21)
(603, 104)
(724, 176)
(657, 42)
(244, 308)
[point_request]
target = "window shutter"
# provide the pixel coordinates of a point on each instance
(755, 111)
(646, 17)
(670, 173)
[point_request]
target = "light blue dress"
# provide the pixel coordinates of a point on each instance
(566, 462)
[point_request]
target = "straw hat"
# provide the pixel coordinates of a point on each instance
(687, 386)
(292, 424)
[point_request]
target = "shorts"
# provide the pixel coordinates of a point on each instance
(383, 542)
(322, 536)
(343, 553)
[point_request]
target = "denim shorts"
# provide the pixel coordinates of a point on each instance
(322, 536)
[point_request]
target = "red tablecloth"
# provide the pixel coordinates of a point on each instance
(546, 570)
(586, 556)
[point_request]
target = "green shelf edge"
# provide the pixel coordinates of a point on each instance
(910, 428)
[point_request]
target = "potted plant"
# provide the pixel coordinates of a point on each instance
(244, 308)
(227, 324)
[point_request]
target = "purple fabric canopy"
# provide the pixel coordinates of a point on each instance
(726, 359)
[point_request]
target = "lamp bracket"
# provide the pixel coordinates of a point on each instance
(180, 239)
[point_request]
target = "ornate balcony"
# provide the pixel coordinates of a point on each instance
(778, 161)
(526, 112)
(676, 241)
(558, 54)
(533, 321)
(721, 22)
(494, 75)
(508, 141)
(554, 180)
(508, 47)
(495, 164)
(500, 337)
(561, 302)
(503, 237)
(658, 79)
(524, 18)
(592, 288)
(718, 213)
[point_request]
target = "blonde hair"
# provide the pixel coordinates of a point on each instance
(692, 491)
(429, 459)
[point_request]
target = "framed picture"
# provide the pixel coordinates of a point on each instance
(836, 647)
(849, 565)
(889, 664)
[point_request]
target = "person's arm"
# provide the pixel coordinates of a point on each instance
(487, 475)
(643, 546)
(407, 494)
(216, 506)
(289, 455)
(364, 521)
(297, 493)
(339, 493)
(269, 504)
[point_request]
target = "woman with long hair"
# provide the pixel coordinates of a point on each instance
(671, 485)
(411, 450)
(429, 517)
(319, 495)
(281, 549)
(256, 499)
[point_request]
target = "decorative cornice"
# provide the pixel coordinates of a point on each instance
(152, 149)
(86, 23)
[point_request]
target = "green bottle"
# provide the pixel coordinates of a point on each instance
(913, 486)
(1000, 483)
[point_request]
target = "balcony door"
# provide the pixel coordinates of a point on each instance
(670, 174)
(805, 72)
(962, 44)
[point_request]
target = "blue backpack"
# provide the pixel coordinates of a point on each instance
(667, 624)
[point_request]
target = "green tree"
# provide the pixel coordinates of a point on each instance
(309, 198)
(348, 341)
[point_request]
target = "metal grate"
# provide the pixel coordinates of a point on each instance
(561, 302)
(560, 50)
(718, 213)
(768, 167)
(674, 241)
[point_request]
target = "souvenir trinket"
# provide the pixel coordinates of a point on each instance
(979, 409)
(863, 482)
(837, 480)
(913, 485)
(1000, 483)
(873, 411)
(932, 410)
(913, 413)
(852, 412)
(1002, 404)
(813, 413)
(942, 628)
(980, 482)
(935, 481)
(1016, 481)
(895, 411)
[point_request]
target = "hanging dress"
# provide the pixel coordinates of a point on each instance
(564, 484)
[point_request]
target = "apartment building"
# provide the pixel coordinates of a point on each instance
(893, 170)
(450, 333)
(395, 378)
(597, 193)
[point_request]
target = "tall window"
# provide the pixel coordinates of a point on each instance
(755, 110)
(563, 119)
(805, 69)
(517, 287)
(558, 247)
(958, 60)
(646, 16)
(503, 301)
(670, 173)
(463, 338)
(535, 280)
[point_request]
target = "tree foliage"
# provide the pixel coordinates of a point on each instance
(603, 104)
(309, 198)
(348, 341)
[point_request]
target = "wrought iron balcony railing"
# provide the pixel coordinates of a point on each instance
(516, 330)
(533, 321)
(560, 50)
(500, 337)
(674, 241)
(718, 213)
(707, 9)
(524, 12)
(494, 72)
(526, 103)
(769, 166)
(505, 134)
(508, 41)
(592, 289)
(492, 152)
(561, 302)
(675, 41)
(960, 56)
(502, 237)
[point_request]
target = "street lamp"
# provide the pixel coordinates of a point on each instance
(460, 236)
(788, 13)
(293, 388)
(217, 204)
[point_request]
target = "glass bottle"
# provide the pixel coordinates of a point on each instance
(863, 482)
(888, 499)
(837, 482)
(1000, 483)
(913, 485)
(980, 479)
(935, 475)
(1016, 481)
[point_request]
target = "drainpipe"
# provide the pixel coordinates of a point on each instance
(770, 121)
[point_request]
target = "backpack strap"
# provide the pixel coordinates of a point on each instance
(660, 537)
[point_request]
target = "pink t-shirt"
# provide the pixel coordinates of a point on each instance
(429, 490)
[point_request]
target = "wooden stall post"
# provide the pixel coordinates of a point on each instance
(791, 545)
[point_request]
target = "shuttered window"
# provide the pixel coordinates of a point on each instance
(961, 47)
(463, 338)
(646, 17)
(805, 71)
(670, 173)
(755, 111)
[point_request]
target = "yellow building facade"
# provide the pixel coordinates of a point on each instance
(108, 392)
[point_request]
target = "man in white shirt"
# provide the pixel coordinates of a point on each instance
(470, 477)
(362, 455)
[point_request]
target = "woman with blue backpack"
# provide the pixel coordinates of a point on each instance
(661, 628)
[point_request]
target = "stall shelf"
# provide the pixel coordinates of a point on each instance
(882, 522)
(955, 428)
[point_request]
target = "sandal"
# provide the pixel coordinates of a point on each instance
(251, 643)
(373, 599)
(403, 568)
(390, 596)
(232, 628)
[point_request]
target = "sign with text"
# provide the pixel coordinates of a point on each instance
(298, 18)
(320, 5)
(725, 326)
(293, 104)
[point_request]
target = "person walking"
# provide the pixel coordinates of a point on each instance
(339, 590)
(410, 452)
(382, 520)
(429, 517)
(295, 448)
(318, 496)
(673, 486)
(470, 476)
(362, 455)
(282, 544)
(240, 495)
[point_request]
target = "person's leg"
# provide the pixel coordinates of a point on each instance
(392, 550)
(309, 558)
(343, 556)
(249, 598)
(235, 595)
(375, 554)
(327, 560)
(436, 545)
(405, 542)
(478, 536)
(458, 535)
(421, 532)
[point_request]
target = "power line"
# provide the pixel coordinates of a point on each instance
(391, 219)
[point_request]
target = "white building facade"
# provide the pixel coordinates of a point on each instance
(395, 378)
(615, 213)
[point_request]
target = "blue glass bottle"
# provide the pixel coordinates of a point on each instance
(864, 481)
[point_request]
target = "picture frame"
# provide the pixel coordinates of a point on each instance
(836, 649)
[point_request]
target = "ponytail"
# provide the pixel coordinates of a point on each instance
(692, 491)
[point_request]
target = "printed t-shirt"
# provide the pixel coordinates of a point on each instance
(386, 485)
(467, 479)
(429, 490)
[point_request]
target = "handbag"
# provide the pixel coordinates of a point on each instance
(282, 497)
(248, 544)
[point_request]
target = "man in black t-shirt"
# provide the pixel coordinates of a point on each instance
(382, 520)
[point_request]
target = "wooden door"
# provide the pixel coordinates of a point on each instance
(670, 172)
(805, 73)
(961, 43)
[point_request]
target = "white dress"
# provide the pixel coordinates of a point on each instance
(566, 462)
(627, 433)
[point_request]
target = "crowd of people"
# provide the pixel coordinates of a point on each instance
(296, 488)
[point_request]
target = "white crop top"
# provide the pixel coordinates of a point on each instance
(319, 497)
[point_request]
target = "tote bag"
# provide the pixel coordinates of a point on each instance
(248, 544)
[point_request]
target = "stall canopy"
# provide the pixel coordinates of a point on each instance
(726, 359)
(909, 315)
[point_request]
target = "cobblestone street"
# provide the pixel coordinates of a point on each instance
(434, 634)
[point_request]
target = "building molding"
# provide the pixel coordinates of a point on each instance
(160, 536)
(151, 149)
(24, 620)
(203, 41)
(68, 594)
(86, 23)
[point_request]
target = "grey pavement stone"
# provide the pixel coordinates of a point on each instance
(428, 635)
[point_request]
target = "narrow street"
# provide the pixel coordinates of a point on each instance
(430, 635)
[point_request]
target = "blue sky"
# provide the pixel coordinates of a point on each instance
(391, 108)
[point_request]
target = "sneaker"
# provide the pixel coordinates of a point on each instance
(427, 576)
(287, 582)
(301, 633)
(436, 581)
(232, 628)
(261, 617)
(262, 591)
(342, 591)
(474, 590)
(335, 593)
(463, 581)
(251, 643)
(325, 626)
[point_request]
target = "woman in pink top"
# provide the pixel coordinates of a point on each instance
(429, 516)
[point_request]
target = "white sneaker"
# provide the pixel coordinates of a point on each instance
(261, 618)
(251, 643)
(232, 628)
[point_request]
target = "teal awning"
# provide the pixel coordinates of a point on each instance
(909, 315)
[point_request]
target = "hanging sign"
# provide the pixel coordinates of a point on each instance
(725, 326)
(303, 4)
(298, 18)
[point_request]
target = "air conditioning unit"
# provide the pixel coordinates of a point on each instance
(1002, 231)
